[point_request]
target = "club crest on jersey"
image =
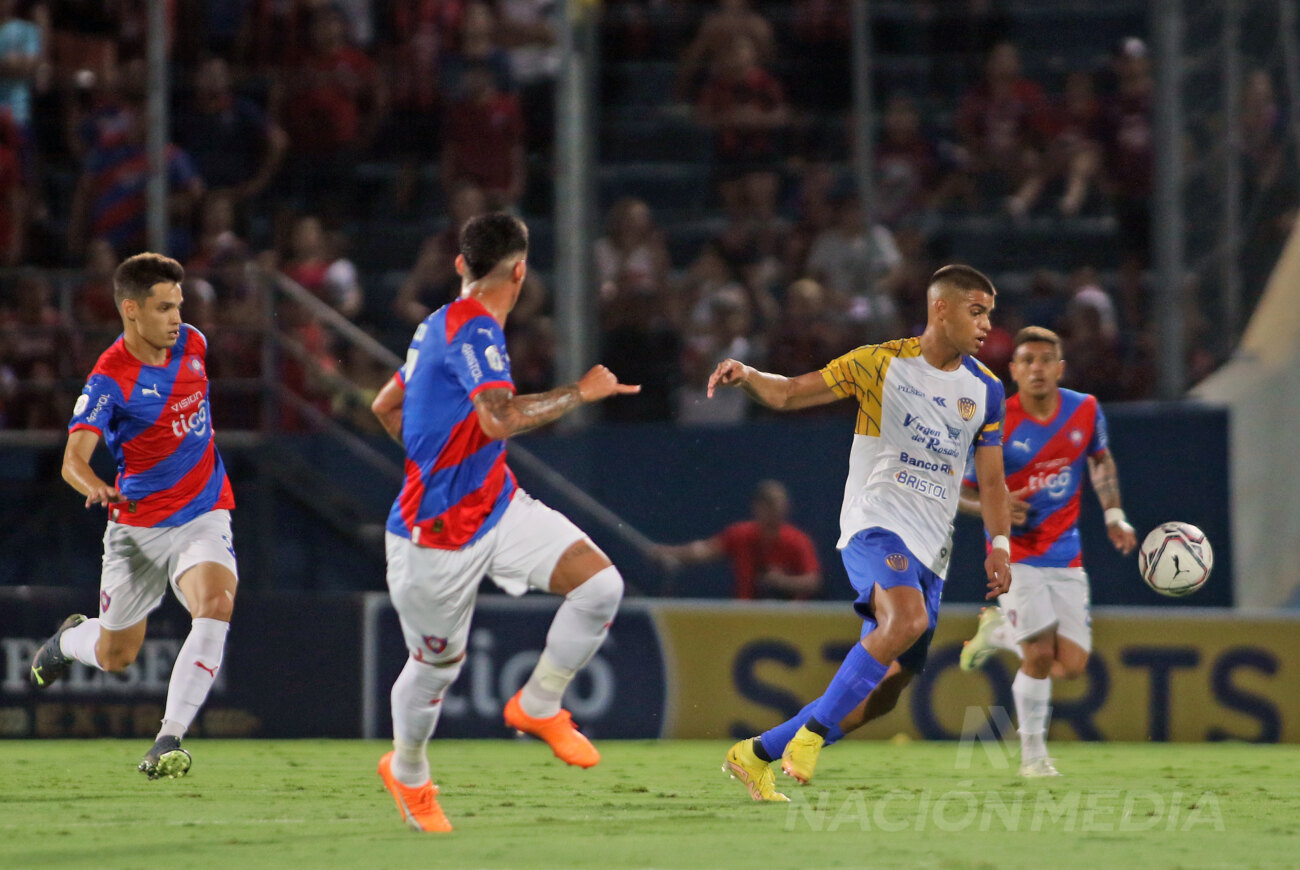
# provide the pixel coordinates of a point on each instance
(966, 407)
(1076, 437)
(897, 561)
(197, 365)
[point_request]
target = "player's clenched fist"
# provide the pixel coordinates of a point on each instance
(728, 373)
(600, 383)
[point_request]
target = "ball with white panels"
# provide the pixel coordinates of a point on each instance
(1175, 559)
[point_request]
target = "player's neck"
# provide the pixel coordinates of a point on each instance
(1041, 409)
(938, 352)
(138, 347)
(495, 298)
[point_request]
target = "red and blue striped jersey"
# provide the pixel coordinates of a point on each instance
(157, 423)
(1048, 457)
(457, 484)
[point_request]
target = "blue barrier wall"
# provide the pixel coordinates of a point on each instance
(672, 484)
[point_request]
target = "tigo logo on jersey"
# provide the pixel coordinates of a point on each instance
(196, 423)
(966, 407)
(897, 561)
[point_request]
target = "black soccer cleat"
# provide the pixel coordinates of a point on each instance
(166, 760)
(49, 663)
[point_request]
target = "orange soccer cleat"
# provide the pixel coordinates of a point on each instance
(418, 805)
(566, 741)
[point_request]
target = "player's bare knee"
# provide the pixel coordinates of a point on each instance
(215, 606)
(1073, 668)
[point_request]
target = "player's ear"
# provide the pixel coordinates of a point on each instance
(460, 265)
(130, 308)
(517, 273)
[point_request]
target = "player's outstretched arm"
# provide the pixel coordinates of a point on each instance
(503, 414)
(995, 505)
(775, 391)
(77, 471)
(674, 556)
(1105, 482)
(968, 502)
(387, 406)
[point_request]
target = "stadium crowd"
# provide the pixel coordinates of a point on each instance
(302, 131)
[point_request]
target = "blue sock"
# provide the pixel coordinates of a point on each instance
(774, 741)
(852, 682)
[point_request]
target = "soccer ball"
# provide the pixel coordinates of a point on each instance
(1175, 559)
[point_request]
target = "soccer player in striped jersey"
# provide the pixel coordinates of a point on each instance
(923, 404)
(168, 509)
(460, 515)
(1051, 433)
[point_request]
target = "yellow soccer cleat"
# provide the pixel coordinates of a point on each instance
(754, 772)
(800, 756)
(419, 805)
(975, 651)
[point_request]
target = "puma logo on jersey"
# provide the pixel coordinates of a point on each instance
(152, 391)
(1023, 445)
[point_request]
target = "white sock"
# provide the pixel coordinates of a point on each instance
(416, 703)
(193, 674)
(577, 631)
(1033, 708)
(79, 642)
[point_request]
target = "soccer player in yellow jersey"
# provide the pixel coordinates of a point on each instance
(923, 402)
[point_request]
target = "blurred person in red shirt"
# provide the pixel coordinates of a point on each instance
(484, 142)
(769, 557)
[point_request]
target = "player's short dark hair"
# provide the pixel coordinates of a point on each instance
(135, 277)
(1038, 333)
(963, 279)
(487, 239)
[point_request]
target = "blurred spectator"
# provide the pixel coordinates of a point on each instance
(433, 281)
(422, 34)
(37, 351)
(361, 376)
(101, 110)
(907, 163)
(632, 252)
(1092, 359)
(110, 199)
(1045, 305)
(316, 263)
(745, 107)
(236, 148)
(1271, 187)
(476, 47)
(331, 100)
(814, 211)
(1003, 123)
(805, 337)
(854, 265)
(769, 557)
(20, 55)
(532, 355)
(1128, 146)
(754, 240)
(642, 345)
(727, 336)
(215, 231)
(484, 140)
(527, 29)
(715, 39)
(93, 305)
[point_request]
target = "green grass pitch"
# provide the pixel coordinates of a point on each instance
(252, 804)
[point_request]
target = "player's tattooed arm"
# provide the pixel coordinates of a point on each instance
(1105, 479)
(502, 414)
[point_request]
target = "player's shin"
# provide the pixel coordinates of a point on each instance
(1033, 708)
(773, 742)
(193, 674)
(79, 642)
(579, 628)
(857, 676)
(416, 704)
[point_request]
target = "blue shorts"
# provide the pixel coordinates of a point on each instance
(877, 556)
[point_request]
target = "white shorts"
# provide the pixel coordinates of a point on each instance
(140, 562)
(434, 590)
(1044, 597)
